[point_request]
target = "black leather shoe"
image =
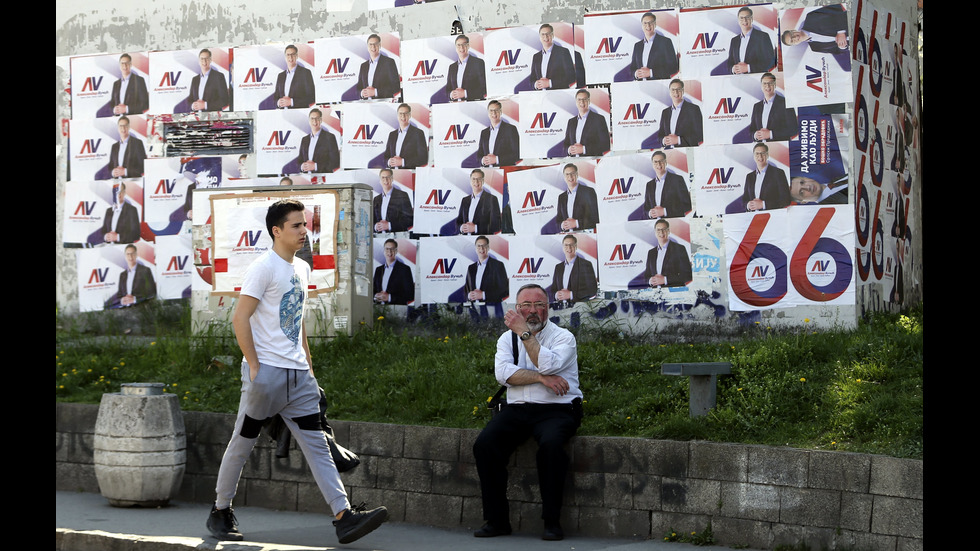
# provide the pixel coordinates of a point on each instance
(553, 532)
(491, 531)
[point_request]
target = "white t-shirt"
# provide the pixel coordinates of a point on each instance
(277, 324)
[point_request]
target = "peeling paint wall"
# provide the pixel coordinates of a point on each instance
(115, 26)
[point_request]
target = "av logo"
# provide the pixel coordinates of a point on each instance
(177, 263)
(620, 186)
(249, 238)
(508, 57)
(85, 208)
(91, 83)
(444, 266)
(621, 252)
(337, 65)
(528, 265)
(425, 66)
(542, 120)
(166, 186)
(705, 40)
(437, 197)
(609, 45)
(760, 271)
(726, 105)
(814, 79)
(455, 132)
(365, 132)
(820, 266)
(255, 74)
(98, 275)
(279, 137)
(170, 78)
(534, 198)
(90, 146)
(637, 110)
(720, 175)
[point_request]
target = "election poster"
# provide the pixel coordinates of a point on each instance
(792, 257)
(626, 46)
(347, 65)
(727, 41)
(637, 109)
(534, 199)
(650, 255)
(456, 130)
(729, 103)
(644, 186)
(169, 184)
(174, 266)
(118, 276)
(270, 72)
(176, 83)
(819, 160)
(395, 271)
(109, 85)
(428, 62)
(372, 134)
(87, 206)
(726, 177)
(816, 55)
(443, 200)
(284, 143)
(549, 123)
(464, 269)
(515, 57)
(239, 235)
(107, 148)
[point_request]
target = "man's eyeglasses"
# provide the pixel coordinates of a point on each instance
(530, 305)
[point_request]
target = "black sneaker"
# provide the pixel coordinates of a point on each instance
(223, 524)
(358, 522)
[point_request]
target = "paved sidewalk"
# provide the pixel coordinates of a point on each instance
(86, 522)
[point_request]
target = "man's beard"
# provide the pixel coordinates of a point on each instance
(535, 326)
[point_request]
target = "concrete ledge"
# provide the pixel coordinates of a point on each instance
(755, 496)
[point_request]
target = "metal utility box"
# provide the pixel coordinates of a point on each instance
(228, 231)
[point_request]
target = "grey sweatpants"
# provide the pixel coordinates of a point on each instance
(295, 395)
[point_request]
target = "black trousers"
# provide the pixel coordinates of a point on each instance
(552, 426)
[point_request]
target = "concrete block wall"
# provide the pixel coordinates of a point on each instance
(756, 496)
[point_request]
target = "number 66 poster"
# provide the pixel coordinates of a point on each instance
(790, 257)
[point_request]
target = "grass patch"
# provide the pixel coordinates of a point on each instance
(857, 390)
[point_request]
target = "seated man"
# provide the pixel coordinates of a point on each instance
(543, 401)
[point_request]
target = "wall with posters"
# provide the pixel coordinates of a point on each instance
(838, 116)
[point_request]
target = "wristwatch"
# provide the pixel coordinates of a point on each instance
(525, 335)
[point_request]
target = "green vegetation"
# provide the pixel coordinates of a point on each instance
(857, 390)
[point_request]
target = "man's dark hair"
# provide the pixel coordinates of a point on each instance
(475, 170)
(762, 145)
(573, 165)
(493, 101)
(744, 9)
(278, 213)
(658, 152)
(390, 240)
(127, 56)
(764, 75)
(374, 35)
(388, 170)
(649, 14)
(317, 111)
(677, 80)
(405, 105)
(131, 246)
(484, 238)
(662, 221)
(583, 91)
(570, 236)
(527, 286)
(291, 47)
(288, 181)
(122, 118)
(462, 36)
(204, 50)
(546, 25)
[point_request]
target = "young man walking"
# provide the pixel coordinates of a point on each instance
(277, 378)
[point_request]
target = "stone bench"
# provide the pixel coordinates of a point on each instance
(704, 379)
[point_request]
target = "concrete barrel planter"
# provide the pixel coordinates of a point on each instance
(140, 446)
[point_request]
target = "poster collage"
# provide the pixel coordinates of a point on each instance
(586, 158)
